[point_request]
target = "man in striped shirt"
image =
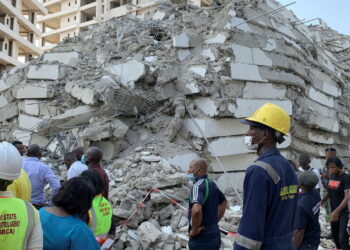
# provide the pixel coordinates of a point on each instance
(207, 205)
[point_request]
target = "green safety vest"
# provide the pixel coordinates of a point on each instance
(100, 215)
(17, 221)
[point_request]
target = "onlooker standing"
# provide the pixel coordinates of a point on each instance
(93, 158)
(329, 152)
(75, 167)
(79, 153)
(39, 174)
(337, 193)
(19, 220)
(304, 162)
(63, 229)
(307, 227)
(206, 208)
(21, 187)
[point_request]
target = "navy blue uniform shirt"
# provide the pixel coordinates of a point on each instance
(209, 207)
(268, 208)
(306, 217)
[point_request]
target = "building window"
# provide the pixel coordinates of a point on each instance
(75, 17)
(5, 46)
(68, 20)
(69, 4)
(7, 21)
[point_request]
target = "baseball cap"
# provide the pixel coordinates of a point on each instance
(308, 179)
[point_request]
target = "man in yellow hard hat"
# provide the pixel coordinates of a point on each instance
(270, 185)
(20, 226)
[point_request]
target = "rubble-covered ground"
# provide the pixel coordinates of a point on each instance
(152, 90)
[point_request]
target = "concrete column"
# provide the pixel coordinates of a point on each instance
(98, 10)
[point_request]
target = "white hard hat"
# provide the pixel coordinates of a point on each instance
(10, 163)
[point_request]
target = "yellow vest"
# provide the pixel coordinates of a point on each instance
(17, 221)
(100, 215)
(21, 188)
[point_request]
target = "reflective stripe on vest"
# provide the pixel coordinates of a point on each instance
(100, 215)
(269, 170)
(17, 221)
(248, 243)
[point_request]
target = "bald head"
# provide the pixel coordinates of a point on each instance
(34, 151)
(78, 151)
(93, 155)
(69, 159)
(198, 167)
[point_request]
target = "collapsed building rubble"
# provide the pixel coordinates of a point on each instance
(133, 81)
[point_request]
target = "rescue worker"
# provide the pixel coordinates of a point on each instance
(21, 188)
(20, 224)
(206, 207)
(270, 185)
(307, 232)
(100, 214)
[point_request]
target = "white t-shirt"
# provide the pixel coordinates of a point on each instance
(76, 169)
(316, 172)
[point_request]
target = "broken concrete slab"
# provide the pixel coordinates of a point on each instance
(217, 39)
(38, 91)
(320, 138)
(182, 54)
(207, 106)
(200, 70)
(110, 149)
(3, 101)
(209, 53)
(245, 72)
(23, 136)
(86, 95)
(29, 122)
(183, 160)
(254, 90)
(44, 72)
(186, 40)
(8, 112)
(214, 127)
(238, 162)
(131, 71)
(148, 234)
(321, 98)
(246, 107)
(3, 86)
(331, 89)
(160, 181)
(31, 107)
(69, 58)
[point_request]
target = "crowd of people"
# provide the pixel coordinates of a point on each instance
(281, 202)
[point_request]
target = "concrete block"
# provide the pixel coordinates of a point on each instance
(319, 138)
(185, 40)
(200, 70)
(215, 127)
(227, 181)
(235, 145)
(325, 123)
(86, 95)
(3, 86)
(208, 53)
(315, 107)
(245, 72)
(270, 45)
(13, 79)
(238, 162)
(207, 106)
(244, 26)
(110, 149)
(182, 54)
(330, 89)
(31, 107)
(130, 71)
(260, 58)
(158, 16)
(40, 140)
(246, 107)
(8, 112)
(148, 234)
(264, 90)
(69, 58)
(183, 160)
(242, 54)
(23, 136)
(33, 92)
(44, 72)
(320, 97)
(28, 122)
(3, 101)
(217, 39)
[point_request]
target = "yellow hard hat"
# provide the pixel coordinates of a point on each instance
(272, 116)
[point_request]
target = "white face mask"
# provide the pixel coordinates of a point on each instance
(248, 140)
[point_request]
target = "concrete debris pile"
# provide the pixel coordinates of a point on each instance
(159, 223)
(138, 80)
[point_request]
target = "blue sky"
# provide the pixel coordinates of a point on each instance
(336, 13)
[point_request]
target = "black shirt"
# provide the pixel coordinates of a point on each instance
(307, 214)
(209, 207)
(336, 186)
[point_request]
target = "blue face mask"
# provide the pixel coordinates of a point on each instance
(191, 177)
(83, 159)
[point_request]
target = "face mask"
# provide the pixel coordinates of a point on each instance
(191, 177)
(83, 159)
(248, 140)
